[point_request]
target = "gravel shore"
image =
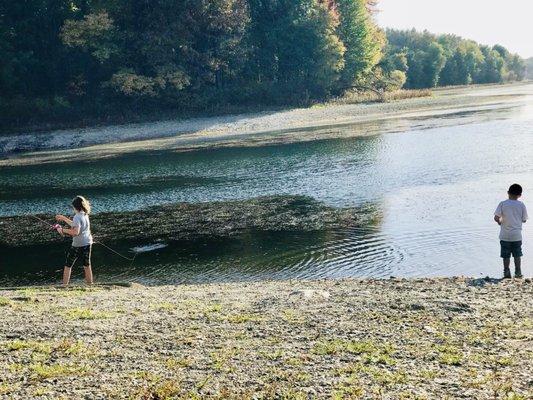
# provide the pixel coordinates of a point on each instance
(452, 338)
(447, 106)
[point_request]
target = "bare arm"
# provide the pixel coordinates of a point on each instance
(72, 231)
(60, 218)
(498, 219)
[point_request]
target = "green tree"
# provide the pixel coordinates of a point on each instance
(492, 69)
(529, 68)
(361, 37)
(294, 47)
(463, 66)
(33, 61)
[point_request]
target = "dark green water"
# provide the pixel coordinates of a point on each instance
(437, 189)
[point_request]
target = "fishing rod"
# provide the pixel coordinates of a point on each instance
(55, 226)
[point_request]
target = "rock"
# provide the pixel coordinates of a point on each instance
(310, 293)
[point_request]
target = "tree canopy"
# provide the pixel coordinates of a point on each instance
(445, 60)
(62, 60)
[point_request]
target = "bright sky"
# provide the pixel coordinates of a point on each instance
(509, 22)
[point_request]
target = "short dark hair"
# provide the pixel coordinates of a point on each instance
(515, 190)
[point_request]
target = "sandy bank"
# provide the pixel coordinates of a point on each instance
(382, 339)
(257, 128)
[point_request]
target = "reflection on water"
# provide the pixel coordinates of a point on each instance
(436, 188)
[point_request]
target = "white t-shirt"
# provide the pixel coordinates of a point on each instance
(84, 238)
(513, 213)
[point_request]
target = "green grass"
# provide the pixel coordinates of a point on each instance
(33, 345)
(372, 353)
(449, 355)
(43, 371)
(164, 306)
(6, 388)
(176, 363)
(242, 318)
(86, 314)
(4, 301)
(272, 355)
(66, 347)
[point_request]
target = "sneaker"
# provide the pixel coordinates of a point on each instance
(507, 273)
(518, 274)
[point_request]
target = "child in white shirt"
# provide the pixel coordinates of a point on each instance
(510, 215)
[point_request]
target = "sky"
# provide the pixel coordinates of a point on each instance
(509, 22)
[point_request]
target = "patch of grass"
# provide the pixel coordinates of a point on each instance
(272, 355)
(166, 390)
(73, 291)
(407, 94)
(449, 355)
(41, 392)
(242, 318)
(16, 368)
(33, 345)
(358, 97)
(327, 347)
(158, 389)
(164, 306)
(451, 359)
(292, 317)
(73, 348)
(147, 376)
(214, 308)
(294, 361)
(292, 394)
(428, 374)
(4, 301)
(381, 376)
(220, 359)
(503, 361)
(411, 396)
(514, 396)
(378, 358)
(86, 314)
(389, 378)
(372, 353)
(6, 388)
(176, 363)
(349, 389)
(42, 371)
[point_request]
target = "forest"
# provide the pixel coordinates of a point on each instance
(77, 60)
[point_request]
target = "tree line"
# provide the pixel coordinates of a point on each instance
(69, 60)
(430, 60)
(529, 68)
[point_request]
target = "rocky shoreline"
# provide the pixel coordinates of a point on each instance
(283, 126)
(454, 338)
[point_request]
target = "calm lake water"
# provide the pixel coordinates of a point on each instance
(437, 188)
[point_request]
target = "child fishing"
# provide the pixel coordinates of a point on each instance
(510, 215)
(82, 240)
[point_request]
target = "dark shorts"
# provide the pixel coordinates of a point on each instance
(79, 252)
(508, 248)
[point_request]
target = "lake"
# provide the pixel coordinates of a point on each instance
(436, 182)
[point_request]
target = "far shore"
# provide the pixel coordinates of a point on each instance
(329, 120)
(423, 338)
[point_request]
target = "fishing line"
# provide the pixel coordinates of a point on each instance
(116, 252)
(96, 241)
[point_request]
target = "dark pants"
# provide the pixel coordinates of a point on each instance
(510, 248)
(79, 252)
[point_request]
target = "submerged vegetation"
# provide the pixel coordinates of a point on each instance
(80, 61)
(184, 221)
